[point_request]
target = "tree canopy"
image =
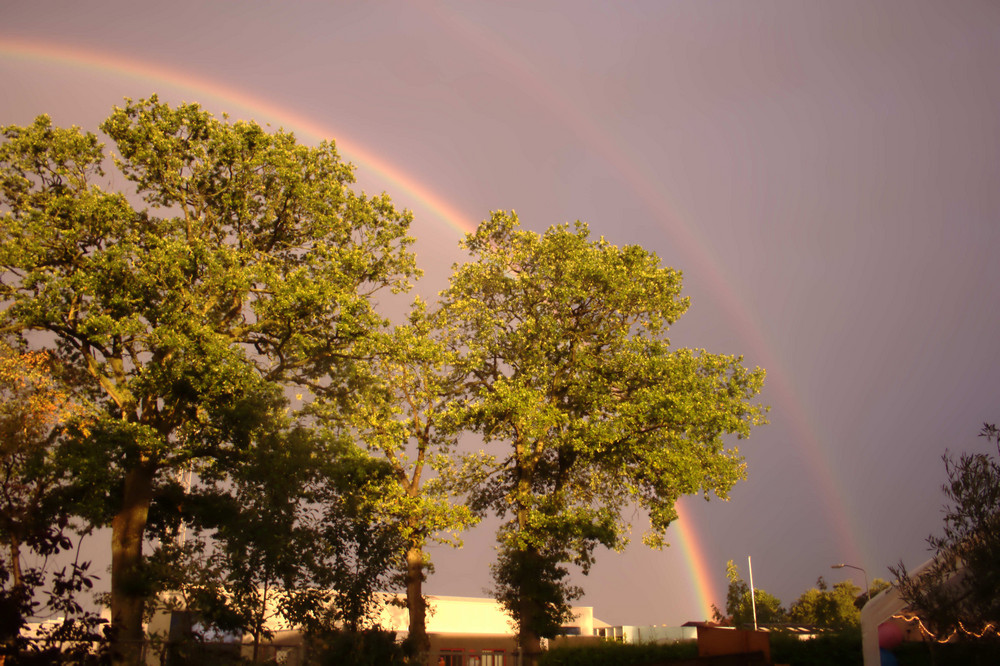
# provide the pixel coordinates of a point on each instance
(237, 267)
(34, 408)
(958, 593)
(835, 608)
(250, 267)
(404, 407)
(583, 404)
(37, 495)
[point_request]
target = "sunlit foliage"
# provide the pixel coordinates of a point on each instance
(583, 404)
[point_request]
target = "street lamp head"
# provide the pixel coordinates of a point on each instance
(851, 566)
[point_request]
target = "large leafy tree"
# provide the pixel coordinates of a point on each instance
(251, 265)
(838, 608)
(835, 608)
(575, 387)
(405, 410)
(959, 591)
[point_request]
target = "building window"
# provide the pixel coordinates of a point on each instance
(611, 633)
(487, 658)
(450, 658)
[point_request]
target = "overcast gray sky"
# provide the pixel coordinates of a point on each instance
(824, 173)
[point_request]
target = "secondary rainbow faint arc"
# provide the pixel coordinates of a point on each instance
(701, 579)
(694, 248)
(90, 59)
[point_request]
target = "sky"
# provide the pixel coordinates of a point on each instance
(824, 174)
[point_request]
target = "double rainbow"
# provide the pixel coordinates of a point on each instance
(239, 102)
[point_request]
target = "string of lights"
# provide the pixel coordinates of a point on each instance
(990, 627)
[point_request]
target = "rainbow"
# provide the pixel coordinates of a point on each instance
(690, 244)
(695, 250)
(702, 585)
(243, 102)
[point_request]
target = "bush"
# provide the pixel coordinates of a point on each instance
(371, 647)
(973, 653)
(835, 649)
(845, 648)
(619, 654)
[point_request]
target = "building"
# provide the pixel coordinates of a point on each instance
(648, 633)
(463, 631)
(474, 631)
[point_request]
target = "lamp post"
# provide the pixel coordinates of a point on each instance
(868, 593)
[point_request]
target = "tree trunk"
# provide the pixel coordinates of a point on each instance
(11, 626)
(528, 608)
(415, 603)
(258, 622)
(15, 559)
(528, 639)
(127, 586)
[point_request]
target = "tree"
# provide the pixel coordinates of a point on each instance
(251, 268)
(831, 609)
(571, 377)
(404, 408)
(36, 493)
(290, 531)
(740, 610)
(360, 550)
(32, 407)
(959, 591)
(244, 557)
(877, 586)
